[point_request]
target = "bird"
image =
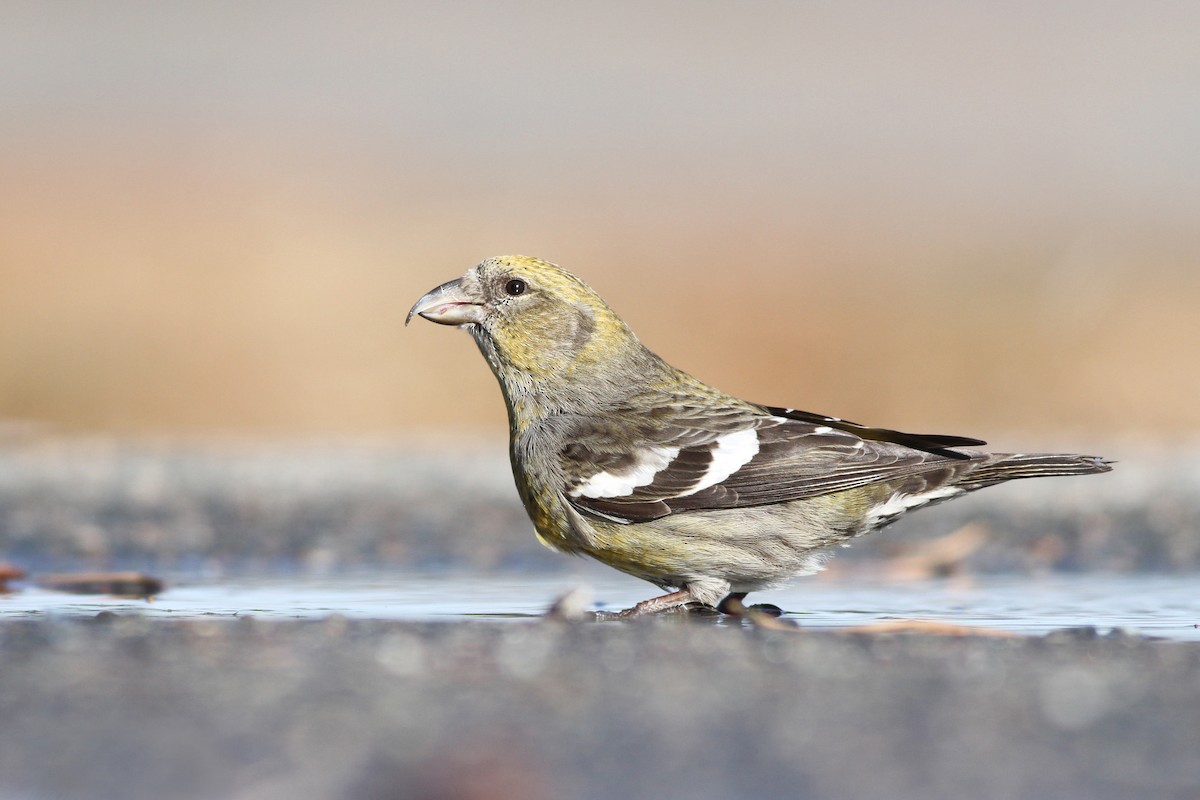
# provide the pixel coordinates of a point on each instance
(619, 456)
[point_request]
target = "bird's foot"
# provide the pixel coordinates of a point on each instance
(684, 604)
(762, 616)
(656, 605)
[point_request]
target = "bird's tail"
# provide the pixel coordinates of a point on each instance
(1010, 466)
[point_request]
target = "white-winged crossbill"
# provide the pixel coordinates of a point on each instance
(619, 456)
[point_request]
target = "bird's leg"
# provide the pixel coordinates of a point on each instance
(657, 604)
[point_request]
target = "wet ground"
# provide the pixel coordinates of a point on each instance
(1164, 606)
(348, 621)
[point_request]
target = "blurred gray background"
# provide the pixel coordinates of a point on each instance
(964, 217)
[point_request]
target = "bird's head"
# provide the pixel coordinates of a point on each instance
(537, 324)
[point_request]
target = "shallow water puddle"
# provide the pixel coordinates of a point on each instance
(1155, 605)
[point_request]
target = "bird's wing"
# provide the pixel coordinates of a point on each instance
(689, 460)
(929, 442)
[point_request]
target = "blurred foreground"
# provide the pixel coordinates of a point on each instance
(253, 710)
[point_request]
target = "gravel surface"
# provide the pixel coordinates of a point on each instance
(118, 707)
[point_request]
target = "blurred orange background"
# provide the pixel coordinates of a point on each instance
(954, 217)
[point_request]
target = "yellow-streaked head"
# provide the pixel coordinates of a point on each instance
(544, 332)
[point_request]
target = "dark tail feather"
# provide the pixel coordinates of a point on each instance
(1010, 466)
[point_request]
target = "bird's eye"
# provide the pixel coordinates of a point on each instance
(514, 287)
